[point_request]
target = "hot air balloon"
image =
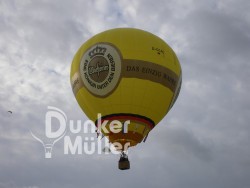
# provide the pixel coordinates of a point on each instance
(126, 74)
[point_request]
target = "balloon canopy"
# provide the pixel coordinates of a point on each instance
(126, 74)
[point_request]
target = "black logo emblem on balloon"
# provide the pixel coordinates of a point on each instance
(98, 69)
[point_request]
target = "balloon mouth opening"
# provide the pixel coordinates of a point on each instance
(131, 134)
(127, 116)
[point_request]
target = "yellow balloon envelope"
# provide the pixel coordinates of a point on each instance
(126, 74)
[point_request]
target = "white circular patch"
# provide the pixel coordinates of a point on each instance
(100, 68)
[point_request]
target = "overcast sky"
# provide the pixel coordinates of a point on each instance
(203, 142)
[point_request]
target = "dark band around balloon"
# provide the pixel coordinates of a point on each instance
(138, 69)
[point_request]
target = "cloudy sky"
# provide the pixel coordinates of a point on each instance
(204, 140)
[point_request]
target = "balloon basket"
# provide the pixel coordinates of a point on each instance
(124, 163)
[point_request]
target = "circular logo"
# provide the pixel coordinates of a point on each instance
(100, 68)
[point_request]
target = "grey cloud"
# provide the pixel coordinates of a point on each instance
(203, 141)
